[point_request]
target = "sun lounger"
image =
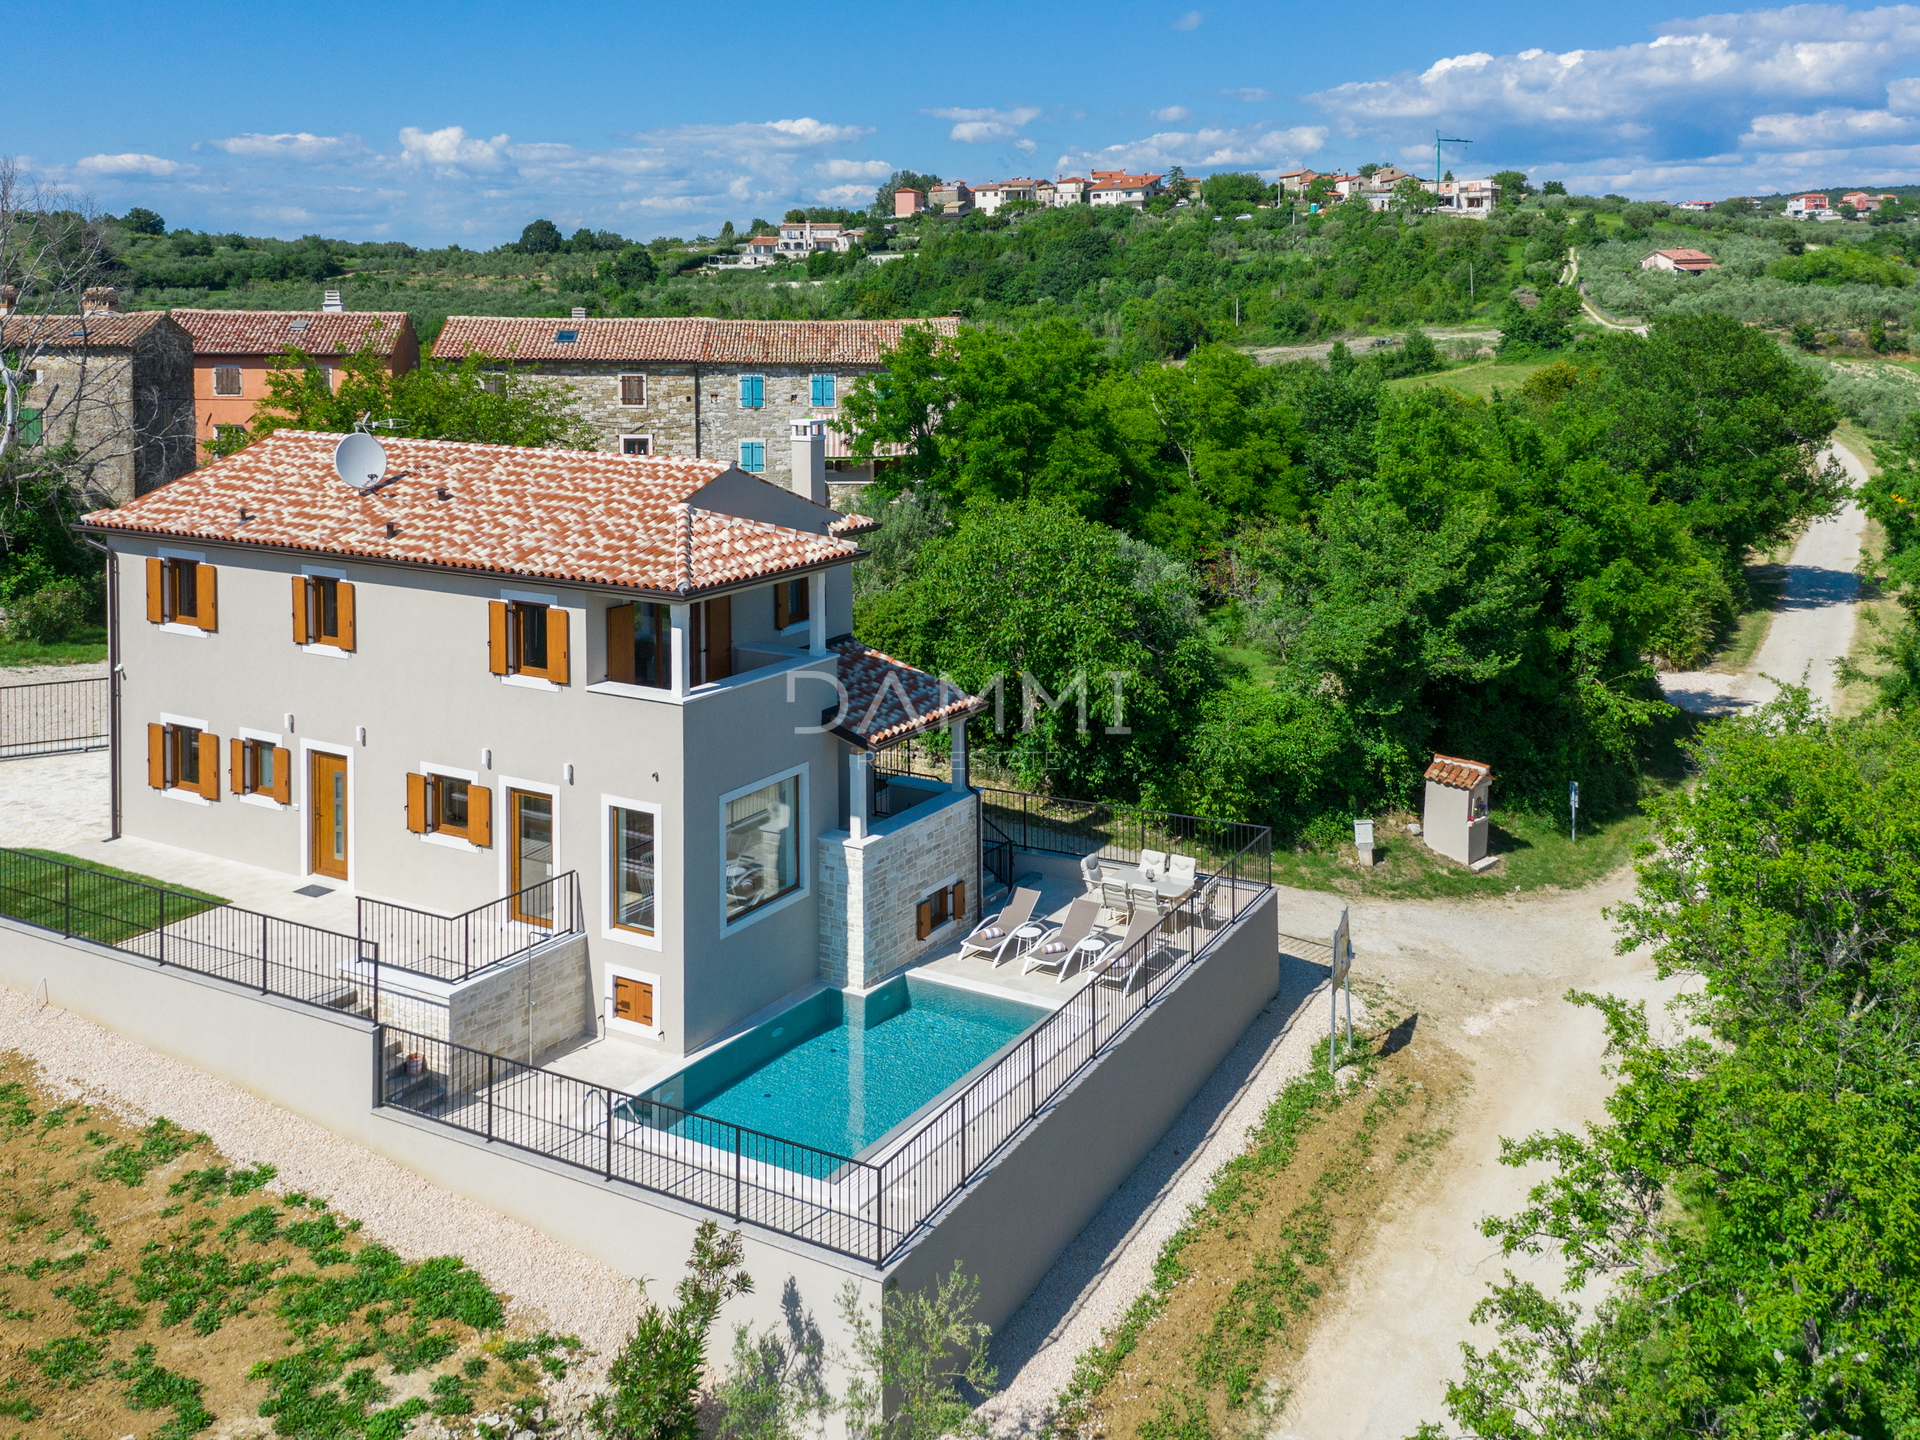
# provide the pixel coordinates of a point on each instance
(1059, 950)
(1122, 962)
(996, 935)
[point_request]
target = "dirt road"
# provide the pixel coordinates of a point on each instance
(1361, 344)
(1811, 628)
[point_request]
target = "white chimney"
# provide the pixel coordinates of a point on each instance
(809, 475)
(332, 304)
(579, 312)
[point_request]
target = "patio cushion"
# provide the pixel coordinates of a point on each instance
(987, 932)
(1053, 947)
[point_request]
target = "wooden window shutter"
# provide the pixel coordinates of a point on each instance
(156, 591)
(237, 766)
(559, 655)
(957, 906)
(632, 1000)
(479, 815)
(782, 611)
(345, 604)
(923, 919)
(209, 766)
(302, 631)
(497, 656)
(417, 804)
(203, 579)
(157, 756)
(283, 775)
(643, 1002)
(620, 644)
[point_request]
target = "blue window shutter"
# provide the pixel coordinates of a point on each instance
(750, 390)
(823, 391)
(753, 455)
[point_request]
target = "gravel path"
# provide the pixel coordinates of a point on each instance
(1811, 628)
(1099, 1276)
(548, 1283)
(36, 674)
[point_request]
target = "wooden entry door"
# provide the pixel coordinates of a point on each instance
(328, 802)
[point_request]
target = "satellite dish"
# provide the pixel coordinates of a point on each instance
(360, 460)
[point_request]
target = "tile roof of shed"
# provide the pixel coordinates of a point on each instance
(889, 700)
(116, 329)
(1460, 774)
(686, 342)
(271, 332)
(553, 514)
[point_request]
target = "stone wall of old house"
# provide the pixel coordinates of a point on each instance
(163, 420)
(526, 1007)
(128, 413)
(871, 888)
(666, 416)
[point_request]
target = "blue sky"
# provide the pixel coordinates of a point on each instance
(439, 122)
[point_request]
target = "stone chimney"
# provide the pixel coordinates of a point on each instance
(100, 300)
(9, 299)
(810, 460)
(333, 305)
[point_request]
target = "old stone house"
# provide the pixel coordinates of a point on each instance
(709, 389)
(116, 385)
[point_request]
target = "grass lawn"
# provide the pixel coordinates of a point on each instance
(105, 907)
(90, 648)
(1257, 665)
(1479, 379)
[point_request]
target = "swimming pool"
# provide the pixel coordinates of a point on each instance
(838, 1071)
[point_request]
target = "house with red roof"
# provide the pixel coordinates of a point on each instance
(1684, 262)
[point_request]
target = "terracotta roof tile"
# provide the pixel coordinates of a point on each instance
(1460, 774)
(852, 525)
(271, 332)
(888, 700)
(119, 329)
(681, 342)
(554, 514)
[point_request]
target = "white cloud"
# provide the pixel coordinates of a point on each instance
(134, 164)
(845, 195)
(1172, 115)
(300, 146)
(1839, 126)
(982, 127)
(1206, 149)
(1189, 21)
(451, 150)
(853, 169)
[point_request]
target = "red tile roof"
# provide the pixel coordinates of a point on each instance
(271, 332)
(852, 525)
(688, 342)
(116, 330)
(553, 514)
(888, 700)
(1460, 774)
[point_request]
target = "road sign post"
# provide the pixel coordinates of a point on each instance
(1573, 809)
(1342, 975)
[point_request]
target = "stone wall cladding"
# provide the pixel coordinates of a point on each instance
(420, 1014)
(490, 1011)
(871, 889)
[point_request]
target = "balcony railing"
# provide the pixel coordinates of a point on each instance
(1120, 832)
(54, 717)
(867, 1208)
(453, 947)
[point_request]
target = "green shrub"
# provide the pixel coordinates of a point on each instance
(49, 615)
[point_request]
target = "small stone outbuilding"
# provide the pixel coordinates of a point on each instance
(1455, 821)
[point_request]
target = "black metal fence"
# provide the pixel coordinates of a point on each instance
(452, 947)
(1120, 832)
(54, 717)
(192, 932)
(864, 1208)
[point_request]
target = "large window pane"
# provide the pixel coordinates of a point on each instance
(762, 846)
(653, 645)
(633, 870)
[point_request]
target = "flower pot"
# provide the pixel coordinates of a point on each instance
(416, 1064)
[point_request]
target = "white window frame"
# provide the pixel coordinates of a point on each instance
(239, 392)
(649, 450)
(802, 846)
(552, 602)
(314, 647)
(939, 931)
(622, 379)
(431, 768)
(741, 458)
(502, 784)
(267, 802)
(174, 627)
(328, 747)
(657, 1031)
(174, 792)
(611, 931)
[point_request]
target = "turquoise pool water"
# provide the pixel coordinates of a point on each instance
(838, 1071)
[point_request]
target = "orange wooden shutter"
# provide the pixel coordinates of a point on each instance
(282, 775)
(209, 616)
(957, 907)
(345, 591)
(237, 766)
(209, 765)
(156, 591)
(620, 644)
(479, 815)
(417, 804)
(497, 637)
(302, 631)
(633, 1000)
(157, 756)
(643, 1002)
(559, 660)
(923, 919)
